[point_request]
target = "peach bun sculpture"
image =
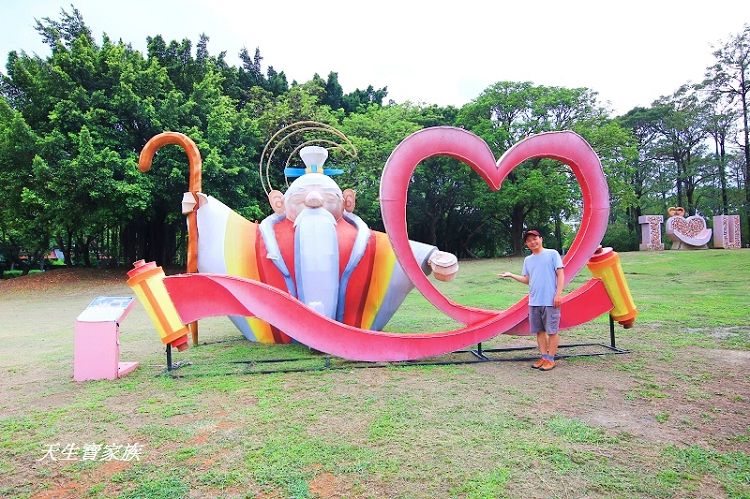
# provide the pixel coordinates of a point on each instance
(314, 272)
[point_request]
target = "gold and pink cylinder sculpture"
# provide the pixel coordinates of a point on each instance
(147, 282)
(605, 265)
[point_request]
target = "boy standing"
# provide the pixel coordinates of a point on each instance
(543, 272)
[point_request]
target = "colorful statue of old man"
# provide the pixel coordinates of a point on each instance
(315, 248)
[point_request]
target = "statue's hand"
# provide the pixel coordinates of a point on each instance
(444, 265)
(189, 201)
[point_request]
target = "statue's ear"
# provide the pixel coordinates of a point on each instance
(276, 198)
(349, 199)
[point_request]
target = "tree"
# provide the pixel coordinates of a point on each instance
(334, 94)
(94, 107)
(358, 100)
(681, 125)
(730, 76)
(63, 32)
(507, 112)
(277, 83)
(720, 124)
(644, 174)
(375, 133)
(249, 75)
(21, 224)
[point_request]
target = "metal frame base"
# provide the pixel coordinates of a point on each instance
(478, 356)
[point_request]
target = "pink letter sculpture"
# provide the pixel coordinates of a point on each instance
(651, 232)
(727, 232)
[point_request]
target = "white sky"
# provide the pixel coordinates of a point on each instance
(437, 52)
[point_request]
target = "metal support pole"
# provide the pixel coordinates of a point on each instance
(169, 357)
(612, 331)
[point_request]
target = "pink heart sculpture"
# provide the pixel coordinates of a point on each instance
(689, 227)
(567, 147)
(691, 230)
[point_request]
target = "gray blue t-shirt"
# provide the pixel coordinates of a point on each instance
(542, 271)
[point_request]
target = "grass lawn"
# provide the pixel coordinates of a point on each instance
(669, 419)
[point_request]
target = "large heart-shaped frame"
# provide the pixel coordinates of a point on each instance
(567, 147)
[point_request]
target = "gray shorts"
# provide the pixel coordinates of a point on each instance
(545, 319)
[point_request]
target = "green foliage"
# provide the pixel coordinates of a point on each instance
(620, 237)
(538, 193)
(73, 123)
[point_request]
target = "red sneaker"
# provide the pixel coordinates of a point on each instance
(537, 364)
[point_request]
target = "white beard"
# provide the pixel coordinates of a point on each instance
(316, 260)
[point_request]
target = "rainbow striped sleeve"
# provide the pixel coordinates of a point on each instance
(384, 264)
(226, 245)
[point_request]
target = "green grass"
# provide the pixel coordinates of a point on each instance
(613, 426)
(693, 463)
(492, 484)
(576, 431)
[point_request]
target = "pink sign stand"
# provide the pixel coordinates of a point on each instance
(96, 352)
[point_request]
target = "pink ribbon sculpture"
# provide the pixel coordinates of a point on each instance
(195, 296)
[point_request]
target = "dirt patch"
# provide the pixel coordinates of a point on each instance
(79, 488)
(731, 358)
(60, 279)
(328, 486)
(63, 280)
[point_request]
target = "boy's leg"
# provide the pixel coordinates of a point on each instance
(552, 325)
(553, 340)
(542, 342)
(536, 325)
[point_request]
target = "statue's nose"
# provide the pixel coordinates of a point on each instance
(313, 199)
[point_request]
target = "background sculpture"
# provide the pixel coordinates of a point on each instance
(651, 232)
(687, 233)
(727, 232)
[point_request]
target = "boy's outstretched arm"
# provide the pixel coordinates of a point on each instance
(524, 279)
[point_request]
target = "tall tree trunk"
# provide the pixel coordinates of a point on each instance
(66, 245)
(432, 236)
(171, 242)
(680, 197)
(156, 238)
(516, 229)
(128, 243)
(746, 147)
(86, 251)
(720, 150)
(141, 240)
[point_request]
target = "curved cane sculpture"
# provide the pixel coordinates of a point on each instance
(194, 187)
